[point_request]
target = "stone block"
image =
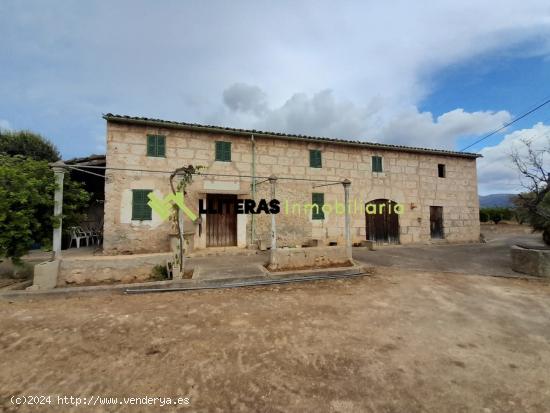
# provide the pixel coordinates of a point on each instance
(293, 258)
(45, 275)
(368, 244)
(530, 261)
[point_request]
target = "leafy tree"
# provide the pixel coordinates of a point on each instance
(26, 204)
(534, 204)
(483, 215)
(28, 144)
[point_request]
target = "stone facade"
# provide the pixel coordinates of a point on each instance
(410, 178)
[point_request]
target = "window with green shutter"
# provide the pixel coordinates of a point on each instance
(315, 159)
(376, 164)
(140, 210)
(223, 151)
(156, 145)
(318, 199)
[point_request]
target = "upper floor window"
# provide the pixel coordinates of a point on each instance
(441, 170)
(318, 201)
(376, 164)
(223, 151)
(140, 210)
(156, 145)
(315, 158)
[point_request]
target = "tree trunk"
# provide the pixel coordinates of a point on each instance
(546, 236)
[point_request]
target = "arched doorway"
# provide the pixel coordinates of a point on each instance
(382, 223)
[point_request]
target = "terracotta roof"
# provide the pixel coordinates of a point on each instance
(277, 135)
(96, 160)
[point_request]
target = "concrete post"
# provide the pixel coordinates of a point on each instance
(59, 170)
(347, 183)
(273, 183)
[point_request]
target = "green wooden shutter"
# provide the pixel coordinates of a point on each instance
(140, 210)
(161, 146)
(227, 148)
(315, 159)
(223, 151)
(376, 164)
(219, 151)
(156, 145)
(318, 198)
(151, 145)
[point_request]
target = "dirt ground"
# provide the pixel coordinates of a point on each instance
(398, 341)
(490, 258)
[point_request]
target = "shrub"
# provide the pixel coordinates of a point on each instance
(159, 272)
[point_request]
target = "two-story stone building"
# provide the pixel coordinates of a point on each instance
(427, 194)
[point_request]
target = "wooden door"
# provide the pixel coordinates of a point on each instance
(436, 222)
(382, 226)
(221, 227)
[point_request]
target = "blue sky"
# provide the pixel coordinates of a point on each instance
(434, 74)
(496, 81)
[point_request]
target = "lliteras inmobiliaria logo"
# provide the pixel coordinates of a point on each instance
(163, 207)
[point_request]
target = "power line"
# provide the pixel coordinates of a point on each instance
(507, 124)
(541, 135)
(106, 168)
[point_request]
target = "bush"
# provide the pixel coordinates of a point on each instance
(483, 216)
(159, 272)
(495, 214)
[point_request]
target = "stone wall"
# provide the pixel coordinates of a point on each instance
(408, 178)
(296, 258)
(94, 269)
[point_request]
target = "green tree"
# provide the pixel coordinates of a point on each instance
(534, 204)
(28, 144)
(495, 214)
(483, 215)
(26, 204)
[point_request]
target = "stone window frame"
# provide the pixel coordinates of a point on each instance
(373, 157)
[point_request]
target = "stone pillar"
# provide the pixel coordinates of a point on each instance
(59, 170)
(347, 183)
(273, 183)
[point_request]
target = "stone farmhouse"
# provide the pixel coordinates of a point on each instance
(413, 195)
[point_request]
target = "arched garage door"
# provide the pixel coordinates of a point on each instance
(383, 225)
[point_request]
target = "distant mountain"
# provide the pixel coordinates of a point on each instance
(496, 200)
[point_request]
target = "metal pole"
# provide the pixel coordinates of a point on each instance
(273, 182)
(253, 218)
(347, 183)
(59, 170)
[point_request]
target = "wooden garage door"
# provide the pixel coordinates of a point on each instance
(221, 229)
(383, 228)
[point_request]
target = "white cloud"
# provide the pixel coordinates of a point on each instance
(5, 125)
(174, 61)
(496, 172)
(323, 115)
(245, 98)
(421, 129)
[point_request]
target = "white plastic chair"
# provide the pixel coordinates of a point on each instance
(90, 233)
(76, 235)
